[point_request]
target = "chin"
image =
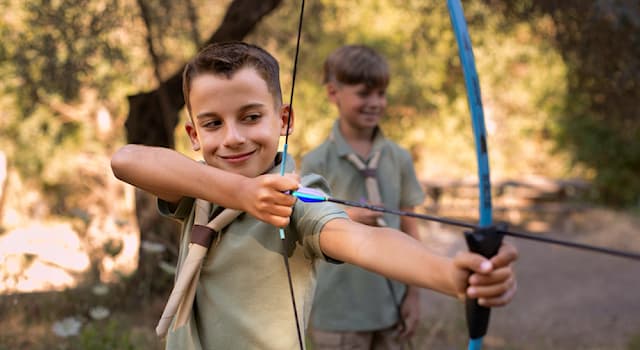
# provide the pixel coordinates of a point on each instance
(368, 120)
(369, 124)
(243, 172)
(234, 170)
(250, 172)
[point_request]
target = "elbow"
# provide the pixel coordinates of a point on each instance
(122, 160)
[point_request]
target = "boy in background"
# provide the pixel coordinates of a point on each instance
(352, 305)
(232, 93)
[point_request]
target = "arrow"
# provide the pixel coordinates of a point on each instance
(309, 195)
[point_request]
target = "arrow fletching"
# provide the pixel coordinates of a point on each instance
(309, 195)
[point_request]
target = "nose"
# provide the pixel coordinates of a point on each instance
(233, 136)
(377, 100)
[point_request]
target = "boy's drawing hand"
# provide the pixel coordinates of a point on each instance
(264, 197)
(492, 281)
(410, 313)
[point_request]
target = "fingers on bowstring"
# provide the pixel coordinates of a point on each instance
(280, 183)
(276, 220)
(288, 182)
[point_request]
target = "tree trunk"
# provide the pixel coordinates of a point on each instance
(152, 120)
(144, 123)
(4, 183)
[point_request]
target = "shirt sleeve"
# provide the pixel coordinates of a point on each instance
(412, 193)
(179, 212)
(310, 218)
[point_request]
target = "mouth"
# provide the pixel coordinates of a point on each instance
(237, 158)
(371, 115)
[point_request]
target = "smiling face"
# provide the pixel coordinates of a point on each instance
(357, 77)
(360, 107)
(236, 122)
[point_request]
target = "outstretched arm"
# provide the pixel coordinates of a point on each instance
(170, 175)
(400, 257)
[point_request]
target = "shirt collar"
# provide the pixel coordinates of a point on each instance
(379, 140)
(289, 167)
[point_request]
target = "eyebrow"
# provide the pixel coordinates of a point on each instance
(242, 109)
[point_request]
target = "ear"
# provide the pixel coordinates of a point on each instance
(286, 116)
(193, 135)
(332, 90)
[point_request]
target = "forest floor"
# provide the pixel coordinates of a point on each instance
(567, 299)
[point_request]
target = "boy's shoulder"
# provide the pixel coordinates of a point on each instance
(316, 181)
(329, 149)
(396, 148)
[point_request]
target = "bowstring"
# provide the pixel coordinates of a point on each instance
(499, 229)
(282, 171)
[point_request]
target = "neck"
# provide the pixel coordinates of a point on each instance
(276, 163)
(361, 140)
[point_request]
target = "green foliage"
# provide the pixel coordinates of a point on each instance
(61, 61)
(552, 100)
(59, 47)
(106, 336)
(598, 121)
(428, 111)
(601, 146)
(634, 342)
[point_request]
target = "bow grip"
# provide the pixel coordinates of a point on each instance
(486, 242)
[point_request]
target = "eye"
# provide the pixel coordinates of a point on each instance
(364, 92)
(252, 117)
(211, 123)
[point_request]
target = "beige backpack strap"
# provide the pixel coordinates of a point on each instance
(369, 170)
(181, 298)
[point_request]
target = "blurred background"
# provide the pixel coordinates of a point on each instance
(86, 263)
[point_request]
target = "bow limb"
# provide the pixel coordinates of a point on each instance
(484, 240)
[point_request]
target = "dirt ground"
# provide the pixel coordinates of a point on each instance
(567, 298)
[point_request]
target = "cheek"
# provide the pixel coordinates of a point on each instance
(270, 137)
(208, 143)
(358, 102)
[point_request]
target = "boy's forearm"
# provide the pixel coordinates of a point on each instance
(171, 175)
(405, 259)
(389, 253)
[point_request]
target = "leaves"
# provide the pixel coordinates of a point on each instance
(559, 79)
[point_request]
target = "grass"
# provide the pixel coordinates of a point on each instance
(28, 320)
(634, 342)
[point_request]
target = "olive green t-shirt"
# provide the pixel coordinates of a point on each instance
(349, 298)
(243, 299)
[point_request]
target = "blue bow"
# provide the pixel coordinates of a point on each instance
(484, 240)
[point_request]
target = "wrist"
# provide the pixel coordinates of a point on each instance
(458, 282)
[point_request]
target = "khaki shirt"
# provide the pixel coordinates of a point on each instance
(243, 299)
(349, 298)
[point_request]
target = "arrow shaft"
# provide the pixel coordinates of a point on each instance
(449, 221)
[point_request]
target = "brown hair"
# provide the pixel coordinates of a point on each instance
(226, 59)
(356, 64)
